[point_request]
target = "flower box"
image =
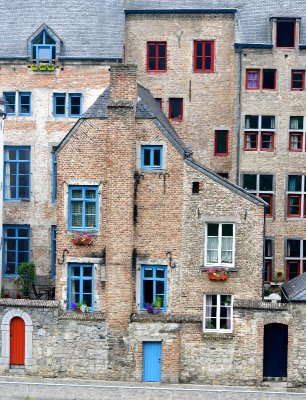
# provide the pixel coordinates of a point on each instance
(34, 67)
(217, 275)
(50, 67)
(82, 239)
(42, 67)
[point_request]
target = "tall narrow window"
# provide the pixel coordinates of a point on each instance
(175, 109)
(16, 247)
(285, 32)
(297, 80)
(262, 186)
(219, 244)
(24, 103)
(153, 285)
(75, 105)
(218, 313)
(157, 56)
(221, 143)
(59, 105)
(10, 103)
(296, 257)
(53, 251)
(81, 285)
(269, 79)
(296, 133)
(203, 60)
(252, 79)
(268, 261)
(54, 175)
(83, 208)
(296, 196)
(43, 48)
(16, 173)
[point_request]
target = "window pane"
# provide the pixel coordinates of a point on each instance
(296, 122)
(251, 122)
(75, 271)
(147, 157)
(160, 287)
(87, 299)
(148, 272)
(294, 183)
(87, 271)
(266, 183)
(227, 229)
(160, 273)
(293, 248)
(152, 50)
(212, 229)
(147, 291)
(87, 286)
(176, 108)
(268, 80)
(250, 182)
(267, 122)
(157, 160)
(221, 142)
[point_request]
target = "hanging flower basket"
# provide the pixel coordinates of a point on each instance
(217, 274)
(82, 239)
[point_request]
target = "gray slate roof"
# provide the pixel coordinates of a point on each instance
(295, 289)
(95, 29)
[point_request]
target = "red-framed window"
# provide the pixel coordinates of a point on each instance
(298, 80)
(295, 257)
(252, 79)
(261, 185)
(294, 205)
(267, 141)
(250, 141)
(159, 102)
(285, 32)
(296, 196)
(175, 109)
(293, 269)
(268, 198)
(268, 261)
(204, 56)
(156, 56)
(295, 141)
(221, 143)
(268, 79)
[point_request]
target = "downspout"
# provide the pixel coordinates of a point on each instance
(263, 256)
(238, 116)
(1, 194)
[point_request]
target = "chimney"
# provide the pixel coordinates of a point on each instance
(123, 86)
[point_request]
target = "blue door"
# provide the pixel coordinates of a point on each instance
(151, 361)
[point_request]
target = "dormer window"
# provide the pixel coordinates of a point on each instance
(43, 48)
(285, 32)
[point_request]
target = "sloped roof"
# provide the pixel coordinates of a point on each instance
(295, 289)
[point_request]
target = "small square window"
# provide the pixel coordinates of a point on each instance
(269, 79)
(295, 141)
(152, 157)
(157, 56)
(250, 141)
(175, 109)
(285, 32)
(10, 103)
(267, 141)
(195, 187)
(252, 79)
(251, 122)
(24, 103)
(268, 122)
(203, 56)
(75, 105)
(296, 123)
(297, 80)
(153, 286)
(218, 313)
(221, 143)
(223, 174)
(59, 105)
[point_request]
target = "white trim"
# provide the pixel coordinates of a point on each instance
(219, 263)
(218, 329)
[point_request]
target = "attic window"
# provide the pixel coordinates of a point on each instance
(43, 48)
(285, 32)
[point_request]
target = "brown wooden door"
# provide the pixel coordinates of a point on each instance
(17, 342)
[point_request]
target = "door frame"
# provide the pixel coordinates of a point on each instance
(17, 339)
(265, 327)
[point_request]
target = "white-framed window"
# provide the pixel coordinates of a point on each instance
(218, 313)
(219, 244)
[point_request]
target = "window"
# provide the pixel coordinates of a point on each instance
(268, 261)
(223, 174)
(296, 196)
(218, 313)
(43, 48)
(16, 173)
(159, 102)
(297, 80)
(195, 187)
(203, 56)
(269, 79)
(219, 243)
(53, 251)
(83, 208)
(296, 257)
(176, 109)
(10, 103)
(54, 175)
(252, 79)
(151, 157)
(221, 143)
(16, 247)
(75, 105)
(153, 285)
(262, 186)
(296, 133)
(24, 103)
(81, 285)
(59, 104)
(285, 32)
(259, 132)
(157, 56)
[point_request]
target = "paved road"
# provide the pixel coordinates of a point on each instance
(67, 389)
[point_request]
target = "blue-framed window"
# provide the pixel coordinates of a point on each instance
(83, 208)
(53, 251)
(153, 285)
(81, 284)
(54, 175)
(152, 157)
(10, 103)
(75, 104)
(16, 173)
(59, 106)
(16, 247)
(43, 48)
(24, 103)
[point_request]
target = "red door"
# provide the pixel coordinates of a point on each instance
(17, 342)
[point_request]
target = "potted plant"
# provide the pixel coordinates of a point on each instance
(43, 67)
(154, 308)
(217, 274)
(34, 67)
(82, 239)
(50, 67)
(79, 307)
(27, 274)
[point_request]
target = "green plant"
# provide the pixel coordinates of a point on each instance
(27, 273)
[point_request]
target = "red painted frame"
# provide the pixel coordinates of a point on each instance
(157, 44)
(245, 141)
(299, 196)
(294, 33)
(262, 79)
(160, 101)
(270, 195)
(212, 55)
(298, 71)
(300, 134)
(269, 270)
(181, 109)
(226, 143)
(257, 71)
(287, 268)
(261, 141)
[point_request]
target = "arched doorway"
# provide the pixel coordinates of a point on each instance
(275, 351)
(17, 342)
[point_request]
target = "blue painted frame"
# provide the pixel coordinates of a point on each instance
(84, 200)
(54, 175)
(152, 149)
(5, 95)
(56, 97)
(53, 252)
(81, 278)
(155, 279)
(29, 103)
(17, 161)
(51, 47)
(70, 105)
(16, 238)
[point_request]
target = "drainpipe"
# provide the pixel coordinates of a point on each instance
(238, 116)
(3, 115)
(263, 256)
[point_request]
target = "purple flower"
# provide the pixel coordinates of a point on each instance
(155, 311)
(73, 306)
(149, 307)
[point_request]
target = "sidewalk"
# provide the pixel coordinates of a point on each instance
(29, 388)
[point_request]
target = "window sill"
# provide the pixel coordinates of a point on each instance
(218, 336)
(205, 268)
(89, 316)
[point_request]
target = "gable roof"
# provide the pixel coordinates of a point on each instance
(295, 289)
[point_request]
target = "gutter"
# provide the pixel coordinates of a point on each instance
(183, 11)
